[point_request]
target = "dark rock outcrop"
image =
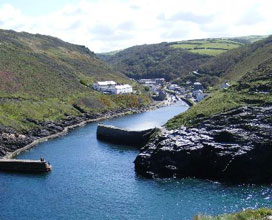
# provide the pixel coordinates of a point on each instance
(232, 147)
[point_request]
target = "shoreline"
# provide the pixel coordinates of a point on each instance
(15, 153)
(66, 129)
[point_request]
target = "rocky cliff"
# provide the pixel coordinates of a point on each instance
(234, 146)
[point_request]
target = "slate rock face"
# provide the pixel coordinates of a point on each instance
(233, 147)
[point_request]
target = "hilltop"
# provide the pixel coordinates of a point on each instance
(156, 60)
(234, 64)
(45, 79)
(173, 60)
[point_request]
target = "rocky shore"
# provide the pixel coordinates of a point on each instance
(13, 142)
(233, 147)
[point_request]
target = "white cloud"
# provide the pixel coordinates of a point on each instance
(106, 25)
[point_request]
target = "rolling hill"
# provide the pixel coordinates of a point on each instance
(156, 60)
(235, 63)
(46, 79)
(249, 69)
(174, 60)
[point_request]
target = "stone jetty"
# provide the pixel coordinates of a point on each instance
(26, 166)
(123, 136)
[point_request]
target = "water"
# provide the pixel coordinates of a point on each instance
(96, 180)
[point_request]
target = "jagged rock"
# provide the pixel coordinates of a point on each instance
(234, 147)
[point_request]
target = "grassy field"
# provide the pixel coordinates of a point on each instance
(254, 89)
(211, 47)
(258, 214)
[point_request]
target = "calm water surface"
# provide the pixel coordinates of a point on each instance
(96, 180)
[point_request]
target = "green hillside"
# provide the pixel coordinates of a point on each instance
(216, 46)
(174, 60)
(234, 64)
(253, 88)
(155, 60)
(45, 78)
(258, 214)
(211, 47)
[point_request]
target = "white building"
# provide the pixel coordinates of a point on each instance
(121, 89)
(173, 87)
(112, 87)
(225, 85)
(104, 86)
(197, 86)
(157, 81)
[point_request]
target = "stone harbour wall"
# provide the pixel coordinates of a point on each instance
(124, 136)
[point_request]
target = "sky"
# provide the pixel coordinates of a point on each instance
(108, 25)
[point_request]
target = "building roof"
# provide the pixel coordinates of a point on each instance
(198, 91)
(197, 83)
(106, 83)
(126, 86)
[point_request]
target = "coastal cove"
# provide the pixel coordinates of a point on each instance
(92, 179)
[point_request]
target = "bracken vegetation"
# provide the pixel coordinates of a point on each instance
(45, 78)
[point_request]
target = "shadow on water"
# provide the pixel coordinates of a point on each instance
(118, 147)
(38, 175)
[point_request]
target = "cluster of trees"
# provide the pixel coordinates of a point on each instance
(156, 60)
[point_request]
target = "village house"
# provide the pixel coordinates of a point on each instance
(160, 81)
(104, 86)
(121, 89)
(225, 85)
(198, 86)
(112, 87)
(176, 88)
(173, 87)
(198, 95)
(155, 81)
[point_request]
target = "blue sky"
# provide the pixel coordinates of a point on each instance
(106, 25)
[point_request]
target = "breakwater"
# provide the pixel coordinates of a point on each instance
(13, 143)
(26, 166)
(124, 136)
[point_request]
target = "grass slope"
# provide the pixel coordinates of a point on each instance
(44, 78)
(253, 89)
(155, 60)
(211, 47)
(258, 214)
(174, 60)
(234, 64)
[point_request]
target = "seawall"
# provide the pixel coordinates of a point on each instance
(27, 166)
(123, 136)
(16, 150)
